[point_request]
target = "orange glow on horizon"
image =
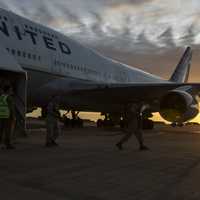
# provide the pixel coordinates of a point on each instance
(157, 117)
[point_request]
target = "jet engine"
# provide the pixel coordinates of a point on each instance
(178, 106)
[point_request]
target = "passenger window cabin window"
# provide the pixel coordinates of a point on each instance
(29, 55)
(24, 54)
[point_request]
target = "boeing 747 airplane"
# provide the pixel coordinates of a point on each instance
(42, 63)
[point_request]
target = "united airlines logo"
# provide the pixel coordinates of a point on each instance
(48, 41)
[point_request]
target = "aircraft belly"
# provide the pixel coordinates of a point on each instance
(84, 104)
(41, 86)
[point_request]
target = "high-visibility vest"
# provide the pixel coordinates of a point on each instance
(4, 108)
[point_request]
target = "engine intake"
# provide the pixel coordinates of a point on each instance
(178, 106)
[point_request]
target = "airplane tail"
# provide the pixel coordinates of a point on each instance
(181, 72)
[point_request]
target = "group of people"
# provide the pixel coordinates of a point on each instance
(133, 118)
(8, 119)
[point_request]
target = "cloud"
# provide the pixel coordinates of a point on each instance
(133, 31)
(151, 23)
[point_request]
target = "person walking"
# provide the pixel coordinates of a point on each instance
(133, 117)
(7, 113)
(52, 117)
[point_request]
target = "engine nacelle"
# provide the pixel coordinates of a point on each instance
(178, 106)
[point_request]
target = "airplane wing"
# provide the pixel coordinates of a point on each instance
(110, 94)
(136, 92)
(146, 92)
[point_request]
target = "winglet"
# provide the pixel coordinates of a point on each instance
(182, 70)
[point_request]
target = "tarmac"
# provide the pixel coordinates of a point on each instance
(87, 166)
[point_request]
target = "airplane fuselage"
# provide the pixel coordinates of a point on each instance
(52, 59)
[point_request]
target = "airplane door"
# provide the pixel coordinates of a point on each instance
(12, 73)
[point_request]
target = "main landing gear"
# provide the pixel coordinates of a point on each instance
(110, 120)
(75, 122)
(115, 119)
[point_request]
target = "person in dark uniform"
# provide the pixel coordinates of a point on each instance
(133, 118)
(52, 117)
(7, 115)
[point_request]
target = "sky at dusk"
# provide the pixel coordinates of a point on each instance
(148, 34)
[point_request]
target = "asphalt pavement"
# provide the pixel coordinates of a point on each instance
(87, 166)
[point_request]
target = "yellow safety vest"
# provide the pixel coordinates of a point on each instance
(4, 108)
